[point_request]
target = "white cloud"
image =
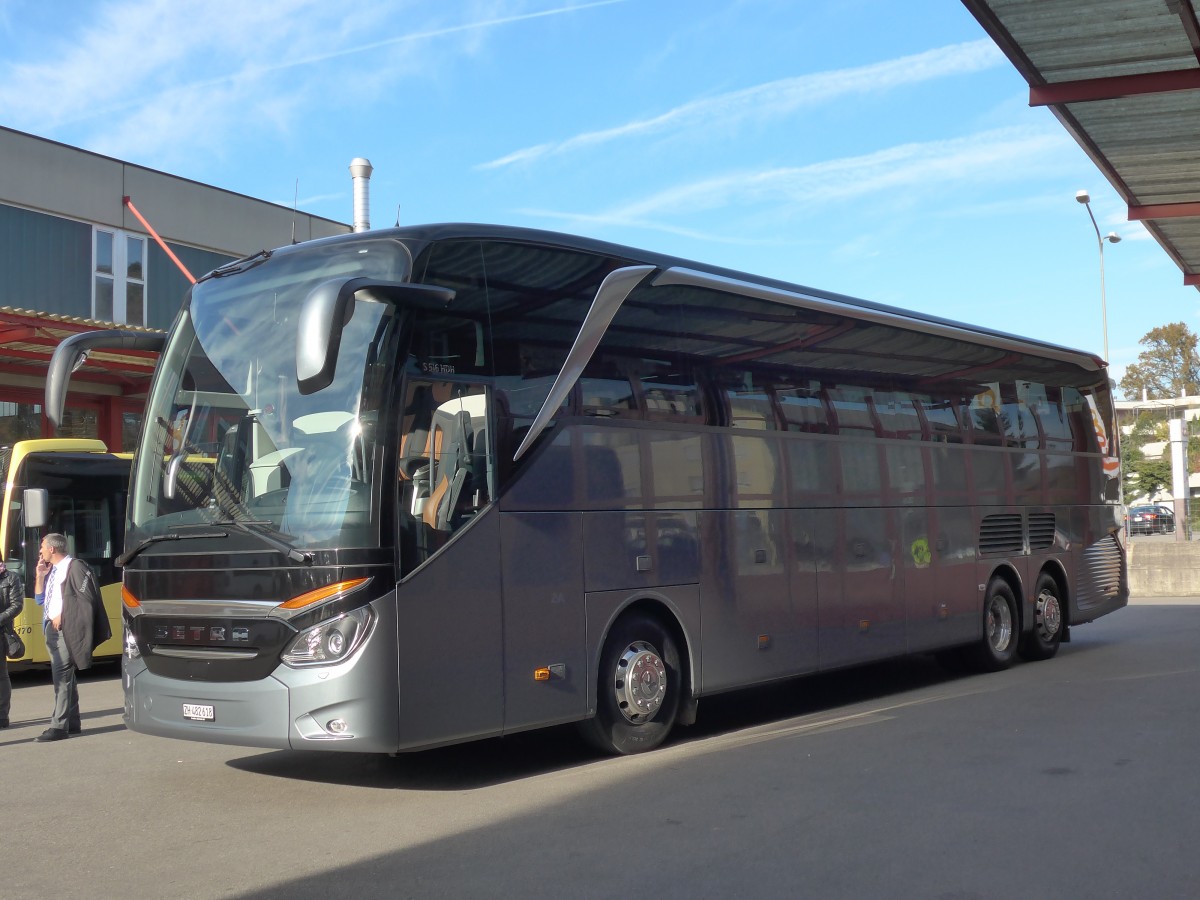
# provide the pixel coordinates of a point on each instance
(134, 76)
(1003, 155)
(1000, 154)
(777, 99)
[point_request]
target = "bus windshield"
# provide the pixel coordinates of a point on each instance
(230, 439)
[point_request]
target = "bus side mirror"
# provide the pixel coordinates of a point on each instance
(72, 352)
(36, 507)
(328, 308)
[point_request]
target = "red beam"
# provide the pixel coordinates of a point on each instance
(124, 381)
(1164, 211)
(138, 366)
(1192, 280)
(1114, 87)
(158, 240)
(19, 333)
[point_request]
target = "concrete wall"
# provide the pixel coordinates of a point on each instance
(50, 177)
(1164, 569)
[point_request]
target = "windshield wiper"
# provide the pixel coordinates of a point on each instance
(238, 265)
(253, 527)
(124, 559)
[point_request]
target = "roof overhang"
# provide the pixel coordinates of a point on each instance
(1123, 77)
(28, 339)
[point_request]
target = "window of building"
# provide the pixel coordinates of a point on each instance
(118, 277)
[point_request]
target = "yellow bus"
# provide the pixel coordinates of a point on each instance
(75, 487)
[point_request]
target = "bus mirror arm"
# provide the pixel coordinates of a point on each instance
(328, 308)
(70, 354)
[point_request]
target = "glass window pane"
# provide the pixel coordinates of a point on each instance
(79, 422)
(802, 407)
(104, 299)
(905, 421)
(606, 396)
(942, 416)
(131, 426)
(135, 249)
(135, 312)
(20, 421)
(852, 407)
(104, 252)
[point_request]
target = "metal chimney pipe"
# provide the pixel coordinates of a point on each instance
(360, 171)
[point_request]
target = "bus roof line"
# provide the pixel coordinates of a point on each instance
(612, 292)
(695, 278)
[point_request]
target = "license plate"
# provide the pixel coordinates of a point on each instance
(199, 712)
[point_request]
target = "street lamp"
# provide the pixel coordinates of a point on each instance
(1113, 238)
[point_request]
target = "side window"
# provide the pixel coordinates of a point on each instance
(905, 420)
(747, 402)
(1056, 426)
(671, 394)
(942, 417)
(118, 277)
(608, 397)
(446, 472)
(615, 387)
(854, 410)
(984, 415)
(1018, 426)
(802, 407)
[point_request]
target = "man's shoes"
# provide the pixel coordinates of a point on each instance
(52, 734)
(74, 729)
(3, 723)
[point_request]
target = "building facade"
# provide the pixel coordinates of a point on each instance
(76, 256)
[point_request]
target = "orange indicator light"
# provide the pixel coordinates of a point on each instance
(309, 598)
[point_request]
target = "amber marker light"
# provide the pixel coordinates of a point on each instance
(128, 599)
(542, 674)
(330, 590)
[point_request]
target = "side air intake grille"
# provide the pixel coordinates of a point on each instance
(1001, 534)
(1100, 577)
(1041, 531)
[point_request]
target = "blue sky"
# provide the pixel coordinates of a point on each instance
(883, 150)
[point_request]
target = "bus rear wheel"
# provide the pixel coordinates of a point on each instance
(639, 688)
(1048, 623)
(1001, 627)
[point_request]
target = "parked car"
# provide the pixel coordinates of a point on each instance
(1150, 519)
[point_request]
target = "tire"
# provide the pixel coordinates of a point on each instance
(1049, 621)
(995, 650)
(634, 715)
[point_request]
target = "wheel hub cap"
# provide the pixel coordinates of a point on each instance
(999, 624)
(1049, 616)
(640, 682)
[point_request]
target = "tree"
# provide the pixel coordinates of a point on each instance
(1145, 477)
(1168, 367)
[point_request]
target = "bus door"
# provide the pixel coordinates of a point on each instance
(448, 602)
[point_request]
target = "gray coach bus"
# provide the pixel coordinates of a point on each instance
(405, 488)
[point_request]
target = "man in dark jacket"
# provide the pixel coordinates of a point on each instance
(12, 599)
(74, 622)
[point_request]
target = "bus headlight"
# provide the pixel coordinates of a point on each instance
(330, 642)
(131, 645)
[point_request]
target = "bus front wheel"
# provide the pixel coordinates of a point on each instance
(1001, 627)
(1047, 633)
(639, 688)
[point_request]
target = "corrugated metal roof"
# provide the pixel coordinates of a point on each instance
(1123, 77)
(28, 338)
